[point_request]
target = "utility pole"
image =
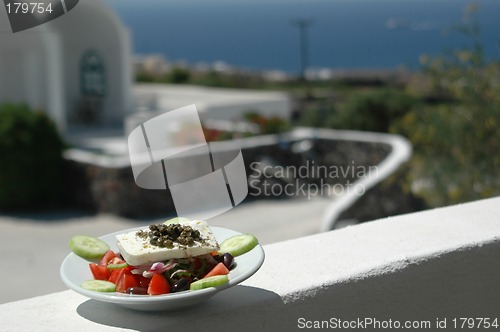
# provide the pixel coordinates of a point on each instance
(303, 24)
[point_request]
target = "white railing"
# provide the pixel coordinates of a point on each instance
(401, 151)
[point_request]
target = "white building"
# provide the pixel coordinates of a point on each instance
(77, 68)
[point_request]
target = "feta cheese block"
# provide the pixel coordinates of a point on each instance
(136, 247)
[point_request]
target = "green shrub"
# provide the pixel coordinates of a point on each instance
(456, 143)
(179, 75)
(30, 158)
(372, 111)
(317, 117)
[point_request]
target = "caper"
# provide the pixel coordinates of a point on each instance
(181, 240)
(165, 235)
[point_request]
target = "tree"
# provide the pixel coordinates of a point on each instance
(457, 143)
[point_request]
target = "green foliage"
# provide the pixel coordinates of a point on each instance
(317, 117)
(179, 75)
(30, 158)
(214, 78)
(145, 77)
(373, 111)
(240, 80)
(455, 136)
(211, 78)
(457, 143)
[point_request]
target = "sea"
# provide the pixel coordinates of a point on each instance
(332, 34)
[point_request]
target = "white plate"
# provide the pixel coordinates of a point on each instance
(75, 270)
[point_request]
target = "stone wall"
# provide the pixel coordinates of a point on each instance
(112, 190)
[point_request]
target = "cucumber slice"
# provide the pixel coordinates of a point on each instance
(213, 281)
(99, 285)
(176, 220)
(116, 266)
(238, 244)
(88, 247)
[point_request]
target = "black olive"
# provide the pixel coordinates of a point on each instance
(181, 285)
(137, 291)
(227, 259)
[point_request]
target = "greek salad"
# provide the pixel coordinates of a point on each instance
(178, 255)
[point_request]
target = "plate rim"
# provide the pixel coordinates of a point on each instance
(136, 300)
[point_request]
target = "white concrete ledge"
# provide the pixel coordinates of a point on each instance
(423, 267)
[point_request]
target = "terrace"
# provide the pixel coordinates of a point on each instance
(332, 261)
(420, 268)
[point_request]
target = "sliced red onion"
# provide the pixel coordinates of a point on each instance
(139, 269)
(159, 267)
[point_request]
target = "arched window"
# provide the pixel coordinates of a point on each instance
(92, 75)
